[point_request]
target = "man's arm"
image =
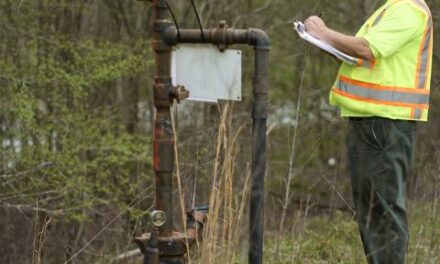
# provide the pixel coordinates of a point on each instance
(353, 46)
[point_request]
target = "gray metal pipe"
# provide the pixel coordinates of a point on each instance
(219, 36)
(259, 116)
(257, 38)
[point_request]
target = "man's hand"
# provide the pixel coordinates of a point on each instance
(316, 27)
(354, 46)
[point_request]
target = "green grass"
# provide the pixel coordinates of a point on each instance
(322, 239)
(335, 239)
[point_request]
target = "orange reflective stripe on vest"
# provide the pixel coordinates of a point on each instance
(369, 92)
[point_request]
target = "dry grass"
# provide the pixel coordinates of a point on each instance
(228, 198)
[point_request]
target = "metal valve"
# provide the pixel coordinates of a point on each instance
(179, 93)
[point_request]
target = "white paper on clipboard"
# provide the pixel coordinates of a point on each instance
(300, 29)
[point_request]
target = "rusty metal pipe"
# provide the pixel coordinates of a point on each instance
(171, 246)
(163, 138)
(257, 38)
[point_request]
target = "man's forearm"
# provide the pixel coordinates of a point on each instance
(353, 46)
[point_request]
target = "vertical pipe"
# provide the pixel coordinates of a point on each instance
(163, 138)
(259, 116)
(257, 193)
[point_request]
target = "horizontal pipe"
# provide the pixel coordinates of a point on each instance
(219, 36)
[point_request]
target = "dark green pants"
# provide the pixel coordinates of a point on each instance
(381, 152)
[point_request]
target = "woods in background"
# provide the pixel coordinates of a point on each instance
(75, 123)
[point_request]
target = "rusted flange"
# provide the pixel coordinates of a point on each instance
(221, 35)
(174, 245)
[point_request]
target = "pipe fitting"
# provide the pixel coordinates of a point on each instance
(162, 98)
(179, 93)
(220, 34)
(259, 39)
(196, 220)
(170, 36)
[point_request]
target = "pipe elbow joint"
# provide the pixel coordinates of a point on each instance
(171, 36)
(259, 38)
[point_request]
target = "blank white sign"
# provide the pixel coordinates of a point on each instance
(208, 74)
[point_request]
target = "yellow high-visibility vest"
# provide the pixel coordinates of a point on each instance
(396, 84)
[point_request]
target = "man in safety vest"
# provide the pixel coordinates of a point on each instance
(383, 96)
